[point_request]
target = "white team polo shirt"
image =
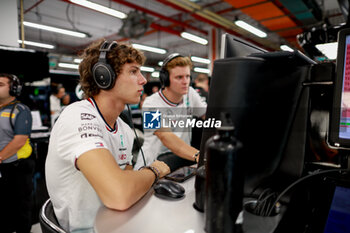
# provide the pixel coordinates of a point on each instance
(81, 128)
(192, 104)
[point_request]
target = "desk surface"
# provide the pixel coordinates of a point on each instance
(154, 215)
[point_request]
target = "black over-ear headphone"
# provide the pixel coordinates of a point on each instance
(102, 72)
(56, 88)
(163, 73)
(15, 87)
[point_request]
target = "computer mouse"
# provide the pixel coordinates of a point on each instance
(168, 189)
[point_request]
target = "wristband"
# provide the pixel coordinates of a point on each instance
(195, 156)
(155, 172)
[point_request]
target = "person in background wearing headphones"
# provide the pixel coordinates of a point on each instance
(89, 157)
(58, 94)
(16, 171)
(201, 85)
(176, 98)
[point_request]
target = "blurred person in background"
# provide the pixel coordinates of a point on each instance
(16, 168)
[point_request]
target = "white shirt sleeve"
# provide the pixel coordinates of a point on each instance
(199, 106)
(55, 104)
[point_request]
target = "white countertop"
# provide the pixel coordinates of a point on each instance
(154, 215)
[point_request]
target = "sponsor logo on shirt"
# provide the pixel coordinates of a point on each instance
(89, 127)
(121, 140)
(87, 135)
(99, 144)
(7, 114)
(151, 119)
(86, 116)
(122, 156)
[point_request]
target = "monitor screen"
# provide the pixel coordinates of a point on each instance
(232, 46)
(339, 133)
(339, 211)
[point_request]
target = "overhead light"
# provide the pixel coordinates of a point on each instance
(200, 60)
(64, 72)
(149, 48)
(68, 65)
(250, 28)
(201, 70)
(328, 49)
(147, 69)
(194, 38)
(286, 48)
(160, 63)
(155, 74)
(37, 44)
(77, 60)
(17, 49)
(100, 8)
(55, 29)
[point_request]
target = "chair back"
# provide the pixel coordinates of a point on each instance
(48, 220)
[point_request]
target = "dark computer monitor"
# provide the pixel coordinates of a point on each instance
(266, 99)
(339, 131)
(268, 104)
(232, 46)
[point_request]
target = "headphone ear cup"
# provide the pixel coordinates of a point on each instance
(12, 91)
(15, 88)
(164, 78)
(103, 75)
(19, 90)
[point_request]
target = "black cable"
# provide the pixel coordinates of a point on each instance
(69, 19)
(263, 193)
(268, 202)
(260, 208)
(137, 138)
(72, 22)
(300, 180)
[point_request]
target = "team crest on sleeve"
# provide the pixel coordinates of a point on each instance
(152, 119)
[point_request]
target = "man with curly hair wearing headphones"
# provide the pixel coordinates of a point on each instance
(89, 156)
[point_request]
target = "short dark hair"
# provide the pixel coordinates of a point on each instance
(8, 76)
(118, 56)
(55, 87)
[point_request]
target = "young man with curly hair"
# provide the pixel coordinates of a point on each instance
(89, 157)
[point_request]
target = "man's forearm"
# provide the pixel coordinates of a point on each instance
(13, 146)
(177, 145)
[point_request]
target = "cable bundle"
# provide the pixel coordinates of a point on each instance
(263, 203)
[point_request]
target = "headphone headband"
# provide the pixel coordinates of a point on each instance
(169, 58)
(164, 73)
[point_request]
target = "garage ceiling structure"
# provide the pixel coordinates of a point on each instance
(163, 21)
